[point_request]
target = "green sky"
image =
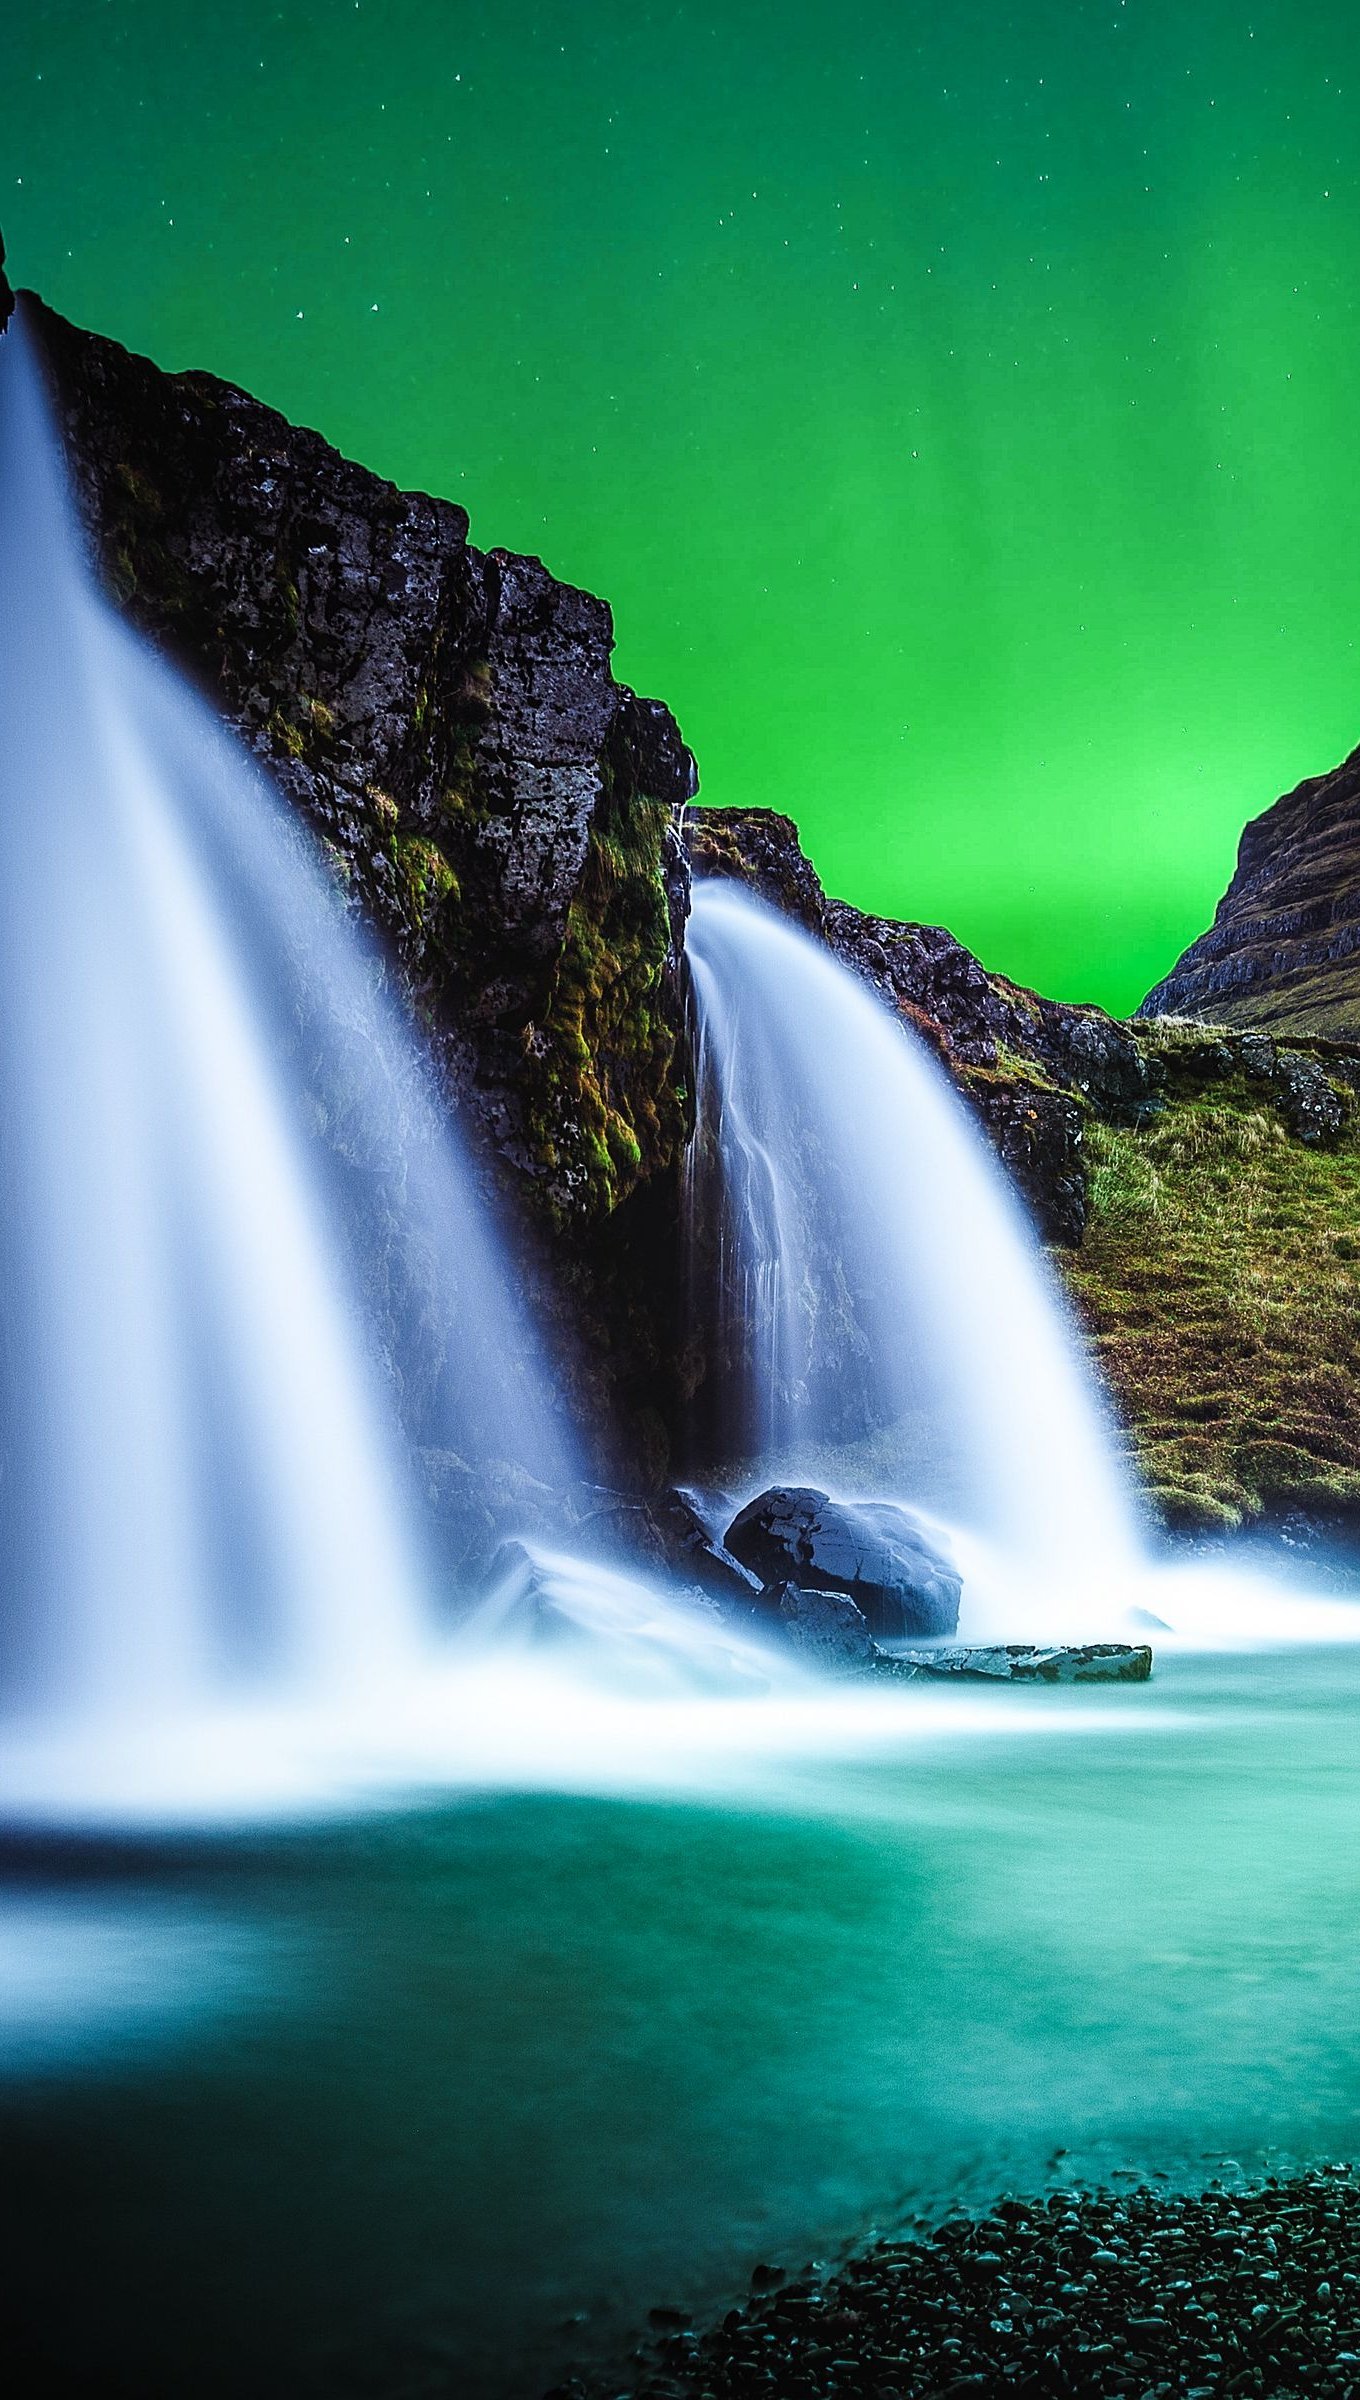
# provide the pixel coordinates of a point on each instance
(957, 403)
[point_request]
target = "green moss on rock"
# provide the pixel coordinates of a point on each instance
(604, 1091)
(427, 878)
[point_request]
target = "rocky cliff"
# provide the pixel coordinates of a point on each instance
(446, 718)
(1284, 947)
(492, 800)
(507, 815)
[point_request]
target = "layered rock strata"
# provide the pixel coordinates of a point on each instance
(1283, 951)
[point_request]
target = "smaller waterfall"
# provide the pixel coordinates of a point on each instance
(873, 1306)
(242, 1262)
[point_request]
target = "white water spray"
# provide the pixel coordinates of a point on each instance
(880, 1312)
(212, 1124)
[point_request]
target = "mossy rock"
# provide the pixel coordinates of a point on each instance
(604, 1079)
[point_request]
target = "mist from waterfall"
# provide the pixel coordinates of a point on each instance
(872, 1305)
(244, 1263)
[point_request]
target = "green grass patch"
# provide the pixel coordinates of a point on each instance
(1220, 1279)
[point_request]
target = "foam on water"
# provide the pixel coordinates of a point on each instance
(87, 1975)
(627, 1691)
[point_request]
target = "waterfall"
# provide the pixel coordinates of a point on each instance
(865, 1290)
(243, 1258)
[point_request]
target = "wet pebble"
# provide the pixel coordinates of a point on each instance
(1143, 2295)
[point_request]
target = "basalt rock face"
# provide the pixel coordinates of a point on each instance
(1031, 1067)
(493, 802)
(1283, 951)
(446, 719)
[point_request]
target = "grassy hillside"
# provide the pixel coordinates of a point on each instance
(1220, 1276)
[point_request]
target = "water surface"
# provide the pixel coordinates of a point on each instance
(438, 2100)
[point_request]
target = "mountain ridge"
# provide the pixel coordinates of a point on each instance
(1283, 951)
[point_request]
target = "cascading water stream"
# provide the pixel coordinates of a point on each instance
(246, 1267)
(239, 1243)
(875, 1308)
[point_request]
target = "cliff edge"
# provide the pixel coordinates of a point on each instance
(1283, 951)
(447, 720)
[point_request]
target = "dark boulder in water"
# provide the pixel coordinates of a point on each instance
(827, 1628)
(663, 1533)
(875, 1550)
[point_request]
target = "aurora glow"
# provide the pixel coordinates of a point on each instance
(956, 404)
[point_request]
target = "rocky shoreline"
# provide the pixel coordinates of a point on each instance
(1158, 2295)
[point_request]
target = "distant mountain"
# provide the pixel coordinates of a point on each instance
(1283, 951)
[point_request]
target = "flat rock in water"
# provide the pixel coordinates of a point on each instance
(1032, 1662)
